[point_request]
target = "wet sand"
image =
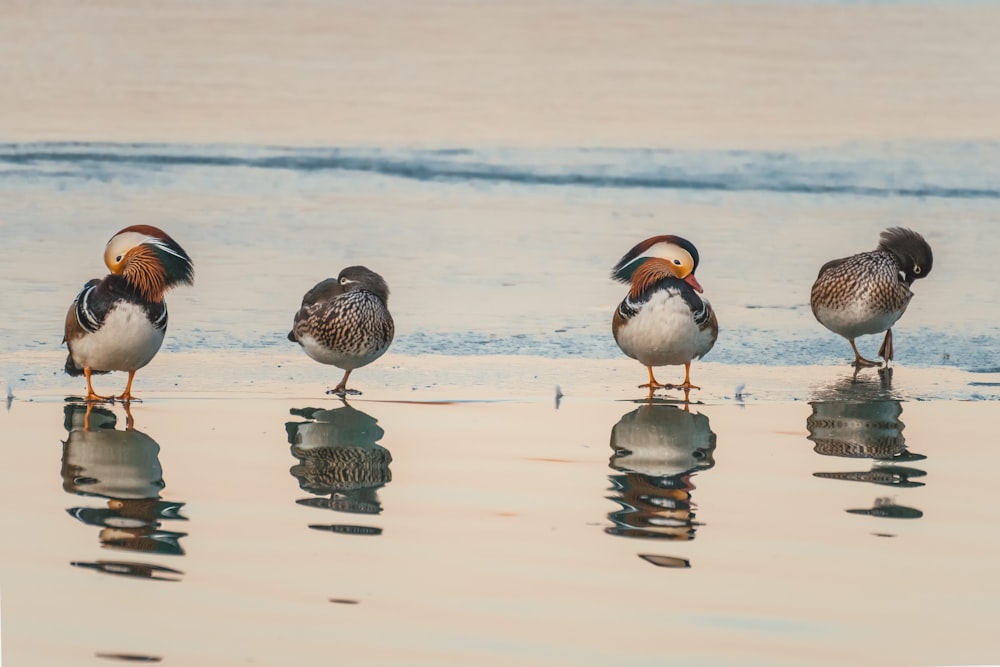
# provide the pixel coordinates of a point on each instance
(284, 373)
(505, 529)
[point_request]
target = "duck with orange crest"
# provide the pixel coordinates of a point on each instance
(663, 321)
(117, 323)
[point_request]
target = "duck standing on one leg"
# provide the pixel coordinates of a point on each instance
(117, 323)
(663, 321)
(345, 322)
(868, 292)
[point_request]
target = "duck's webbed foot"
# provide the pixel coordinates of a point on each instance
(859, 361)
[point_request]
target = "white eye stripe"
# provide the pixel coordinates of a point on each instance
(160, 244)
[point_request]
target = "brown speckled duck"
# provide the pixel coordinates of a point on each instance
(345, 322)
(868, 292)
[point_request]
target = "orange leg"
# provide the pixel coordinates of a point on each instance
(687, 386)
(859, 361)
(129, 421)
(687, 400)
(91, 394)
(653, 384)
(127, 395)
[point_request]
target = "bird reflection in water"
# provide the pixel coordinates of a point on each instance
(123, 467)
(861, 420)
(658, 448)
(340, 462)
(127, 569)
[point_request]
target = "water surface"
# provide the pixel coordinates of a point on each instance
(508, 251)
(499, 532)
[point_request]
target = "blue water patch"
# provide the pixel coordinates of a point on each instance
(914, 169)
(759, 625)
(753, 347)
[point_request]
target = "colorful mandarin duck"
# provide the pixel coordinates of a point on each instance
(866, 293)
(118, 323)
(663, 321)
(345, 322)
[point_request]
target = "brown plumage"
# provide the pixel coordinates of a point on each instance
(868, 292)
(345, 322)
(331, 469)
(654, 270)
(146, 273)
(339, 456)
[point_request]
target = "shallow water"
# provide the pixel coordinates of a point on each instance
(226, 532)
(509, 251)
(497, 495)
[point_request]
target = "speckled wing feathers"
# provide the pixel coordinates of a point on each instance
(353, 323)
(871, 280)
(322, 292)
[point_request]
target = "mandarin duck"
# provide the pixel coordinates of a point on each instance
(663, 321)
(345, 322)
(868, 292)
(117, 323)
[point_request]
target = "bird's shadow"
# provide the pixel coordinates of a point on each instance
(656, 449)
(123, 468)
(339, 461)
(859, 418)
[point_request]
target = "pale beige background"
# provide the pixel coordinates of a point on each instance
(459, 73)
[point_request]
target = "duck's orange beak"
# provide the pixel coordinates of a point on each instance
(693, 282)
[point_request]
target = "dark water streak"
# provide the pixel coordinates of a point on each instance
(845, 171)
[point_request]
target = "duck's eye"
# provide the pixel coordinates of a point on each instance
(118, 258)
(677, 262)
(916, 269)
(343, 281)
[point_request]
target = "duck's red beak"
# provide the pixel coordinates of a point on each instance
(693, 282)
